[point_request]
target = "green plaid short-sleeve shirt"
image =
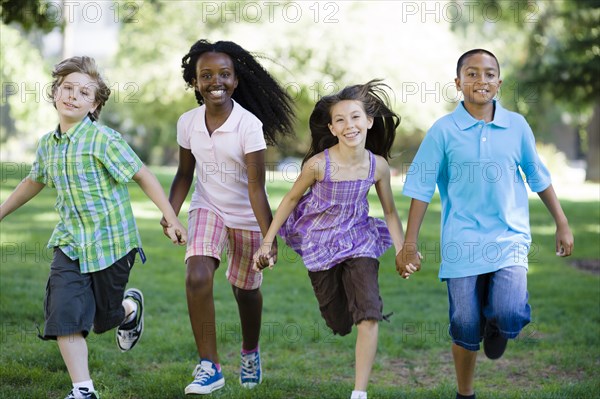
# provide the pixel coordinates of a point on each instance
(89, 165)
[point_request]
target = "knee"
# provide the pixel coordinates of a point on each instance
(512, 319)
(199, 277)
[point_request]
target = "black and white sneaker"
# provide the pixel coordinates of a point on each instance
(129, 333)
(82, 393)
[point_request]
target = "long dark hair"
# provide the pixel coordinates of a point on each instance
(375, 100)
(257, 90)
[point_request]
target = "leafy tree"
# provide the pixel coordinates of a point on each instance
(24, 107)
(30, 14)
(555, 54)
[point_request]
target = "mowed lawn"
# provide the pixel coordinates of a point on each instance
(556, 356)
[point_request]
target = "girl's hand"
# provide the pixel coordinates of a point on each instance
(174, 231)
(266, 256)
(408, 260)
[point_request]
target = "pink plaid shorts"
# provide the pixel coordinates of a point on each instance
(208, 236)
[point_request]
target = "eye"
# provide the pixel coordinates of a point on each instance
(491, 75)
(205, 76)
(225, 74)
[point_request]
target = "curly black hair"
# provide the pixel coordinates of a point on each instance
(375, 100)
(257, 90)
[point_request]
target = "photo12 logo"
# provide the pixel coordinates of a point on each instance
(270, 11)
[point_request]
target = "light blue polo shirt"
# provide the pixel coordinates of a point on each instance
(478, 169)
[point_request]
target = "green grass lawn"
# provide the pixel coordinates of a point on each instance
(556, 356)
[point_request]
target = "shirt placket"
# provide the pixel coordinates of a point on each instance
(484, 141)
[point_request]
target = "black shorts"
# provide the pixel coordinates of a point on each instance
(348, 293)
(77, 301)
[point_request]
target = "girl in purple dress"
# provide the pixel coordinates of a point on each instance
(352, 134)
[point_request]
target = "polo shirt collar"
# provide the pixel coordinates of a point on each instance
(75, 132)
(232, 122)
(464, 120)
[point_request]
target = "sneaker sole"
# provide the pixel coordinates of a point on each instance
(194, 389)
(141, 322)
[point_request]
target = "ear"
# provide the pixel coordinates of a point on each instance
(330, 126)
(370, 121)
(235, 84)
(457, 83)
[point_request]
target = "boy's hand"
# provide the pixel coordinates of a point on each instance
(408, 260)
(175, 231)
(266, 256)
(564, 241)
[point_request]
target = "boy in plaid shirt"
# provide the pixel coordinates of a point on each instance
(96, 239)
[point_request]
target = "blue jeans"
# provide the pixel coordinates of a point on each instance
(499, 297)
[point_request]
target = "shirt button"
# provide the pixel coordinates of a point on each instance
(484, 139)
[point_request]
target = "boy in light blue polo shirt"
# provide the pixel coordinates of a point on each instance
(476, 156)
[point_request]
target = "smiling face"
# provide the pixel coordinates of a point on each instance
(349, 122)
(75, 98)
(215, 78)
(479, 79)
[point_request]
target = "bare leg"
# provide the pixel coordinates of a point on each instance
(366, 348)
(250, 308)
(201, 305)
(464, 363)
(74, 351)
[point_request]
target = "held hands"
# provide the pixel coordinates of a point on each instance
(174, 230)
(266, 256)
(408, 260)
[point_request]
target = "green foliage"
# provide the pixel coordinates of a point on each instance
(31, 14)
(26, 111)
(555, 357)
(565, 51)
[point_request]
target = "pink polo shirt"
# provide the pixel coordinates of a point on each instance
(221, 173)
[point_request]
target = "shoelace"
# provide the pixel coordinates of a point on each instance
(201, 374)
(250, 366)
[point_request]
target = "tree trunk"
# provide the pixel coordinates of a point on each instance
(592, 172)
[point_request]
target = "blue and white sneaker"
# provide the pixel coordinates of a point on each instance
(206, 379)
(128, 334)
(251, 372)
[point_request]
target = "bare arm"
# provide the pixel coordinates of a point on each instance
(152, 188)
(311, 171)
(564, 237)
(181, 184)
(386, 197)
(184, 177)
(255, 163)
(409, 253)
(25, 191)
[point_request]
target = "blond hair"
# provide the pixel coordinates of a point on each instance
(85, 65)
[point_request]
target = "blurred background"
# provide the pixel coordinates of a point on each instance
(549, 52)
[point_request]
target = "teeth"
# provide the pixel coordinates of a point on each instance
(217, 92)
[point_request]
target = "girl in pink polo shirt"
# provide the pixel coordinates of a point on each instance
(224, 140)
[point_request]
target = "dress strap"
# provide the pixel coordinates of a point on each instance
(327, 165)
(373, 165)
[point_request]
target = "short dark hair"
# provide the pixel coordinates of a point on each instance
(469, 53)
